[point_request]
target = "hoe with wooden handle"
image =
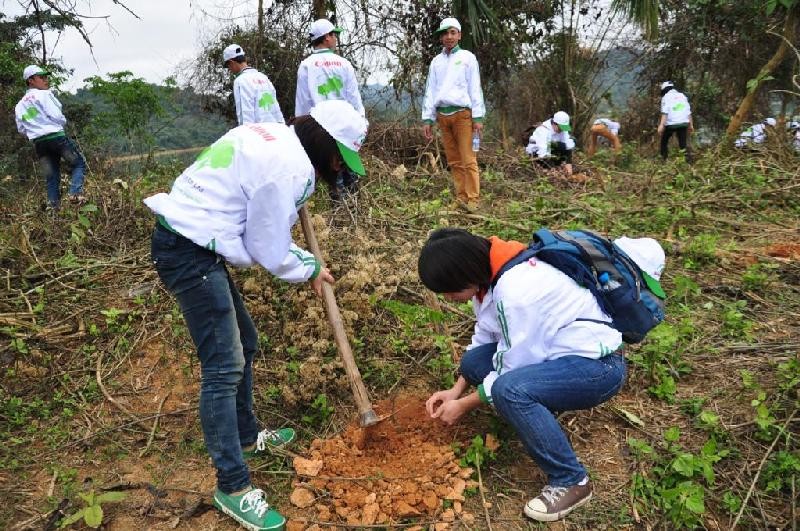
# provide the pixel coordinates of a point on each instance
(366, 415)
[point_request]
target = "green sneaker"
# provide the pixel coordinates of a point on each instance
(250, 509)
(270, 439)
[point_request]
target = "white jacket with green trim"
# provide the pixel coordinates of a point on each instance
(38, 113)
(532, 314)
(454, 80)
(255, 97)
(322, 76)
(240, 199)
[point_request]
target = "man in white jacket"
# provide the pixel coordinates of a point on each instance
(324, 75)
(676, 118)
(551, 145)
(39, 117)
(237, 203)
(253, 92)
(454, 100)
(541, 344)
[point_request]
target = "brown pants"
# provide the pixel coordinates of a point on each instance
(601, 130)
(457, 136)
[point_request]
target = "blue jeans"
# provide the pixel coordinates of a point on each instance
(50, 153)
(528, 397)
(226, 340)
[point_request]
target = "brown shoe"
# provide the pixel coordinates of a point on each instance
(554, 503)
(77, 199)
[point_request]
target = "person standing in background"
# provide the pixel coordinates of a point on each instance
(676, 118)
(325, 75)
(454, 100)
(253, 92)
(39, 117)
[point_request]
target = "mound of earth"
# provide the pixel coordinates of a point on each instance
(401, 469)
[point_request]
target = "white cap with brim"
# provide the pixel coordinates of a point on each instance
(771, 121)
(666, 84)
(346, 126)
(320, 28)
(33, 70)
(649, 256)
(562, 120)
(448, 23)
(231, 51)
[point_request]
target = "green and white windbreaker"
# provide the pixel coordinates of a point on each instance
(240, 199)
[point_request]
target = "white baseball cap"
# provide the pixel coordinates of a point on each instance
(666, 84)
(231, 51)
(33, 70)
(562, 119)
(320, 28)
(771, 121)
(448, 23)
(346, 126)
(649, 256)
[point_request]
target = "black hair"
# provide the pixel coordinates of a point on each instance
(316, 42)
(454, 259)
(319, 145)
(667, 89)
(238, 59)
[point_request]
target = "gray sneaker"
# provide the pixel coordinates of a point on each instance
(554, 503)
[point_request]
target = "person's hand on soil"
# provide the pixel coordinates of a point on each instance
(427, 130)
(450, 412)
(324, 276)
(439, 398)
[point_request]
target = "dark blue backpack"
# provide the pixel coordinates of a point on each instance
(595, 263)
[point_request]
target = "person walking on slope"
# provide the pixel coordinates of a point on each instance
(454, 100)
(253, 92)
(551, 145)
(605, 128)
(237, 203)
(325, 75)
(676, 118)
(39, 117)
(541, 345)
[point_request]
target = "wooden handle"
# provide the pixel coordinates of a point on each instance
(366, 414)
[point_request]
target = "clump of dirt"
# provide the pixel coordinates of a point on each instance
(404, 469)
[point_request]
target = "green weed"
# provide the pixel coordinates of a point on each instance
(92, 512)
(320, 411)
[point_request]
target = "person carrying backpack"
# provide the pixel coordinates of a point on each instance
(541, 345)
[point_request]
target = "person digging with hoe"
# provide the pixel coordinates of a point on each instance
(237, 203)
(541, 345)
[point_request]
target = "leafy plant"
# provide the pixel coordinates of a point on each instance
(320, 412)
(477, 453)
(92, 512)
(735, 324)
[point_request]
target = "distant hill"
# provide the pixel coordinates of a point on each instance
(619, 78)
(186, 125)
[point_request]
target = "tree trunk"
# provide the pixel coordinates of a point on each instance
(777, 58)
(259, 33)
(318, 9)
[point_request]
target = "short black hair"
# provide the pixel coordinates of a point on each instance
(238, 59)
(454, 259)
(319, 145)
(667, 89)
(318, 40)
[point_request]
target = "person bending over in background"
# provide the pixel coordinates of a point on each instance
(39, 117)
(541, 345)
(605, 128)
(676, 118)
(237, 203)
(253, 92)
(454, 100)
(550, 144)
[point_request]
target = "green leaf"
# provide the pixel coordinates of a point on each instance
(93, 516)
(69, 520)
(672, 434)
(694, 502)
(684, 465)
(112, 496)
(630, 417)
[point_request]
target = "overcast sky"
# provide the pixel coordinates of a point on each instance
(162, 42)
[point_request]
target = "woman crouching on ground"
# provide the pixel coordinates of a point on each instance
(539, 347)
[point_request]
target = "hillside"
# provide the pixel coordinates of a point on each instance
(100, 382)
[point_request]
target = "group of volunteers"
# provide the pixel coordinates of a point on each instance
(542, 344)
